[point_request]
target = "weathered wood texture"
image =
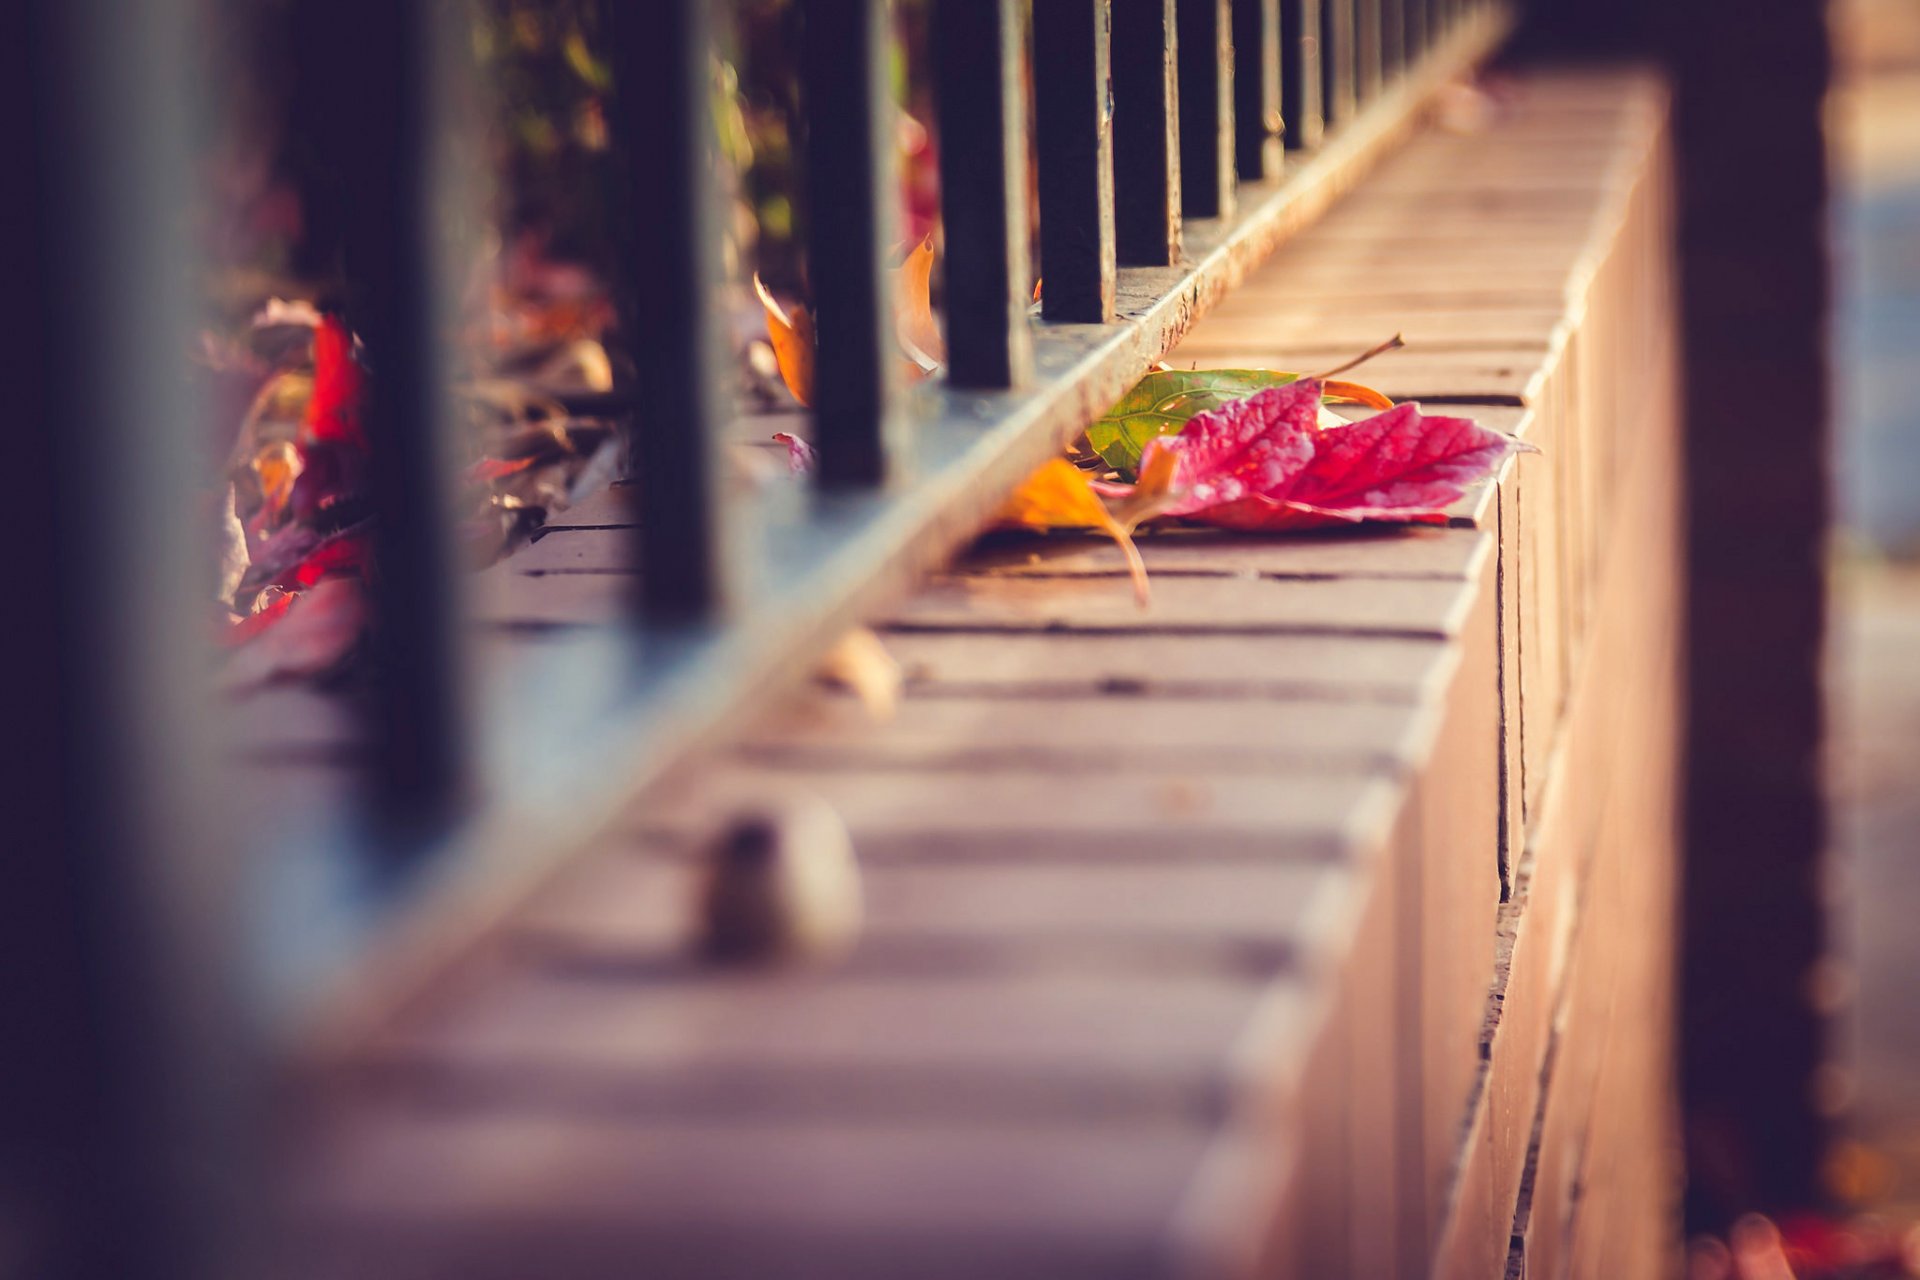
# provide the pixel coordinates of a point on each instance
(1301, 925)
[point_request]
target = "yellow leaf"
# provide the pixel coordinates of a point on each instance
(793, 343)
(914, 329)
(277, 465)
(1058, 496)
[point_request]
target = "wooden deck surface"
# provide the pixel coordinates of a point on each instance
(1250, 934)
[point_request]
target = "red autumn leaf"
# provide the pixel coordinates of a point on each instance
(1397, 465)
(333, 410)
(299, 556)
(241, 630)
(1245, 449)
(344, 553)
(333, 477)
(1260, 463)
(313, 633)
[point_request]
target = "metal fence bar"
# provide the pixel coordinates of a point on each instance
(1367, 59)
(1393, 39)
(1338, 65)
(1301, 104)
(1414, 30)
(667, 286)
(125, 1117)
(979, 82)
(1146, 133)
(1256, 88)
(850, 193)
(1073, 125)
(1206, 78)
(379, 75)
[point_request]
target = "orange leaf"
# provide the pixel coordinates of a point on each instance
(793, 343)
(1153, 491)
(1059, 496)
(487, 469)
(913, 308)
(1354, 393)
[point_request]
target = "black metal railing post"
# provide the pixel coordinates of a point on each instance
(1368, 60)
(689, 551)
(850, 196)
(980, 86)
(1207, 140)
(379, 66)
(1393, 39)
(1073, 120)
(1146, 133)
(1338, 65)
(1415, 30)
(1256, 88)
(1301, 69)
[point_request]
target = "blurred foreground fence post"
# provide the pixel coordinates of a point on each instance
(127, 1088)
(1751, 80)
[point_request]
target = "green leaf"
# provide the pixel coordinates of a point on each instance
(1161, 403)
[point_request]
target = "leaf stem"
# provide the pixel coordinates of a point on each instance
(1391, 344)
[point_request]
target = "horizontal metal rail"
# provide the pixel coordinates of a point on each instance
(597, 713)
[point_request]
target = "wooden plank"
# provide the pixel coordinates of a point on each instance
(1349, 329)
(1512, 376)
(1388, 667)
(1104, 733)
(1285, 606)
(414, 1193)
(1512, 726)
(625, 903)
(1541, 581)
(1010, 812)
(1373, 1038)
(501, 596)
(938, 1043)
(1452, 867)
(1332, 266)
(612, 507)
(1364, 552)
(1474, 1235)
